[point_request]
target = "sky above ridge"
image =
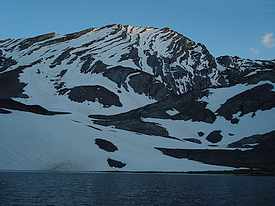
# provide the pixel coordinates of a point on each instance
(245, 28)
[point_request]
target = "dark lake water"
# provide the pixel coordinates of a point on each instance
(27, 188)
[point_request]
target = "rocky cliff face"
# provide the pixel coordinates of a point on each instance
(145, 90)
(159, 58)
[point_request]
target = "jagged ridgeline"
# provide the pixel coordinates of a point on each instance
(163, 101)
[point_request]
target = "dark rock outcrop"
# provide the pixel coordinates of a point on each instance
(134, 125)
(87, 62)
(214, 137)
(105, 145)
(194, 140)
(200, 133)
(253, 141)
(63, 56)
(30, 41)
(65, 38)
(115, 163)
(92, 93)
(241, 71)
(188, 107)
(6, 62)
(141, 82)
(258, 158)
(118, 74)
(37, 109)
(3, 111)
(144, 83)
(258, 98)
(10, 85)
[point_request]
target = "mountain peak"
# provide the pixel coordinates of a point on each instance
(173, 59)
(133, 90)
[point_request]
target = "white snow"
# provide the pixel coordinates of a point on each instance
(263, 122)
(172, 112)
(36, 142)
(217, 97)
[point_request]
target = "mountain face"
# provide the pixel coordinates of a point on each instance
(132, 99)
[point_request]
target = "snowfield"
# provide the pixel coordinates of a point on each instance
(59, 93)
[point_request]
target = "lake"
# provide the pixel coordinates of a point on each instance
(31, 188)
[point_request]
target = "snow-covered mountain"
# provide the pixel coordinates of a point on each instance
(132, 99)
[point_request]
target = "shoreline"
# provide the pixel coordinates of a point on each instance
(237, 172)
